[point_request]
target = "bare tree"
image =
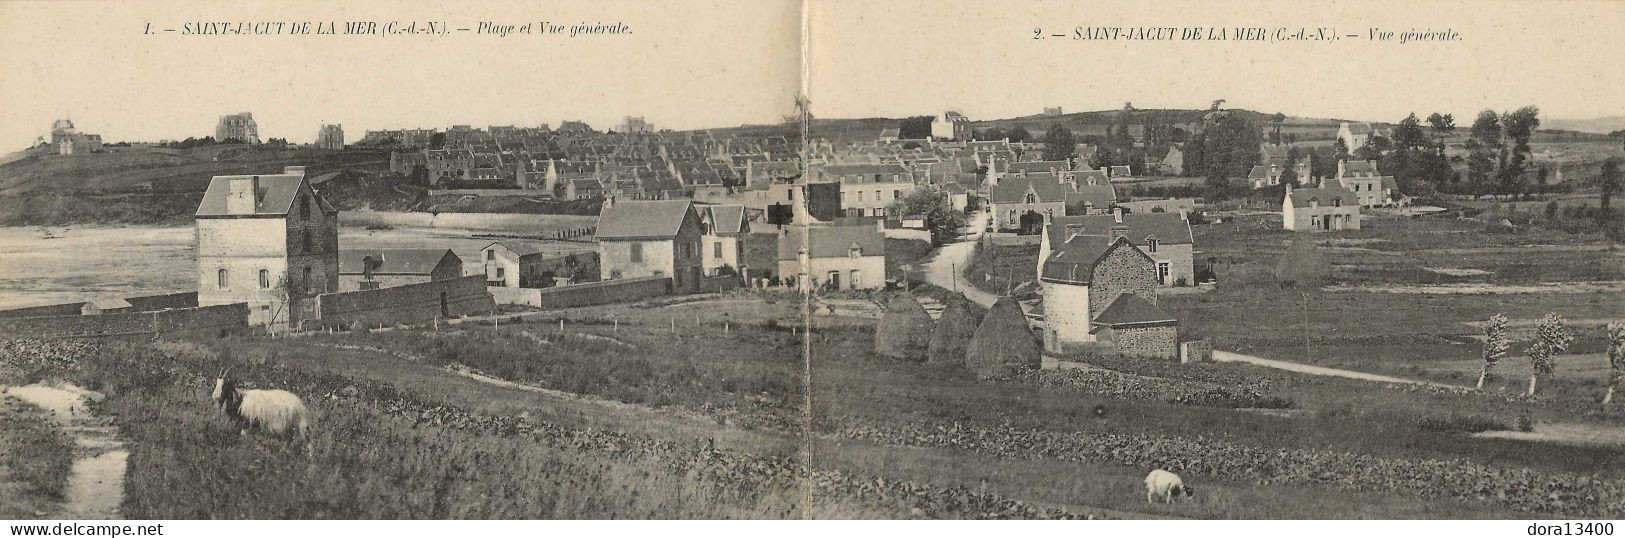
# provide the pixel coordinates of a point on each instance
(1616, 358)
(1496, 344)
(1551, 338)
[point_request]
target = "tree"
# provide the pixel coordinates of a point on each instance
(1551, 338)
(1443, 126)
(1616, 358)
(1496, 344)
(940, 217)
(1018, 134)
(1059, 145)
(1484, 150)
(1608, 181)
(915, 128)
(1520, 126)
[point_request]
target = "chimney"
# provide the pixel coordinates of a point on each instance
(1117, 214)
(244, 196)
(1117, 231)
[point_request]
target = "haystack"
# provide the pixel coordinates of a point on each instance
(953, 333)
(1003, 344)
(1302, 265)
(904, 330)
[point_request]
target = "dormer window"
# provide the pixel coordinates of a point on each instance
(1337, 202)
(1151, 243)
(1032, 198)
(854, 251)
(1314, 202)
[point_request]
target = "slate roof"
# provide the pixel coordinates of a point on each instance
(1168, 228)
(1039, 166)
(833, 241)
(1129, 309)
(276, 195)
(643, 219)
(519, 249)
(865, 170)
(1084, 177)
(1074, 262)
(1121, 171)
(1013, 189)
(1301, 197)
(727, 220)
(1261, 171)
(1359, 128)
(396, 261)
(1100, 196)
(1359, 167)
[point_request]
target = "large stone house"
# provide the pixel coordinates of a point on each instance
(1164, 237)
(839, 257)
(1103, 290)
(268, 241)
(1028, 201)
(867, 189)
(1356, 135)
(638, 238)
(1328, 208)
(240, 126)
(724, 229)
(950, 125)
(385, 268)
(1370, 187)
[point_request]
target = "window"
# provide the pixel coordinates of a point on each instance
(856, 279)
(717, 248)
(501, 273)
(1162, 273)
(896, 194)
(637, 252)
(877, 195)
(1032, 198)
(265, 279)
(305, 281)
(860, 196)
(855, 251)
(490, 255)
(305, 208)
(220, 276)
(880, 212)
(1337, 202)
(304, 241)
(1151, 244)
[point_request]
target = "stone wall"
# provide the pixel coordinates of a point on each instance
(209, 320)
(1125, 269)
(64, 309)
(159, 302)
(1196, 351)
(592, 293)
(408, 304)
(1158, 341)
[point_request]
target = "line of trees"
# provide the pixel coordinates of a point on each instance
(1552, 337)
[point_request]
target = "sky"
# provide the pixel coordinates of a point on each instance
(914, 57)
(719, 63)
(686, 64)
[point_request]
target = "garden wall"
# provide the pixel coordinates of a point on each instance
(592, 293)
(200, 321)
(408, 304)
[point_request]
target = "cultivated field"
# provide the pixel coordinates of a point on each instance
(695, 405)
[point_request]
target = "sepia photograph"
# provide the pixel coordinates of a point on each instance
(1135, 262)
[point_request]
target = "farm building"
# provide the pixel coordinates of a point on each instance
(386, 268)
(1103, 289)
(1164, 237)
(840, 257)
(514, 264)
(1327, 208)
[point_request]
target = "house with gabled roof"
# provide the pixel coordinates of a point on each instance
(385, 268)
(840, 257)
(1372, 188)
(1091, 200)
(1326, 208)
(1164, 237)
(724, 229)
(1103, 290)
(521, 264)
(1357, 135)
(640, 238)
(268, 241)
(1026, 201)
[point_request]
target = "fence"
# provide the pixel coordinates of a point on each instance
(589, 294)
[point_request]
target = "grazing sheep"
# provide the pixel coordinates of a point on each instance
(1165, 484)
(277, 412)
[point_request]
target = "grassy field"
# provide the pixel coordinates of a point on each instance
(696, 406)
(34, 460)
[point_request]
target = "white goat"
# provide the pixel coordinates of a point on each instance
(278, 412)
(1164, 484)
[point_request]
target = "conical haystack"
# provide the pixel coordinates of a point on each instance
(953, 333)
(1003, 344)
(904, 330)
(1302, 265)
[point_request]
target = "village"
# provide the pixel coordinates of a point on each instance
(927, 277)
